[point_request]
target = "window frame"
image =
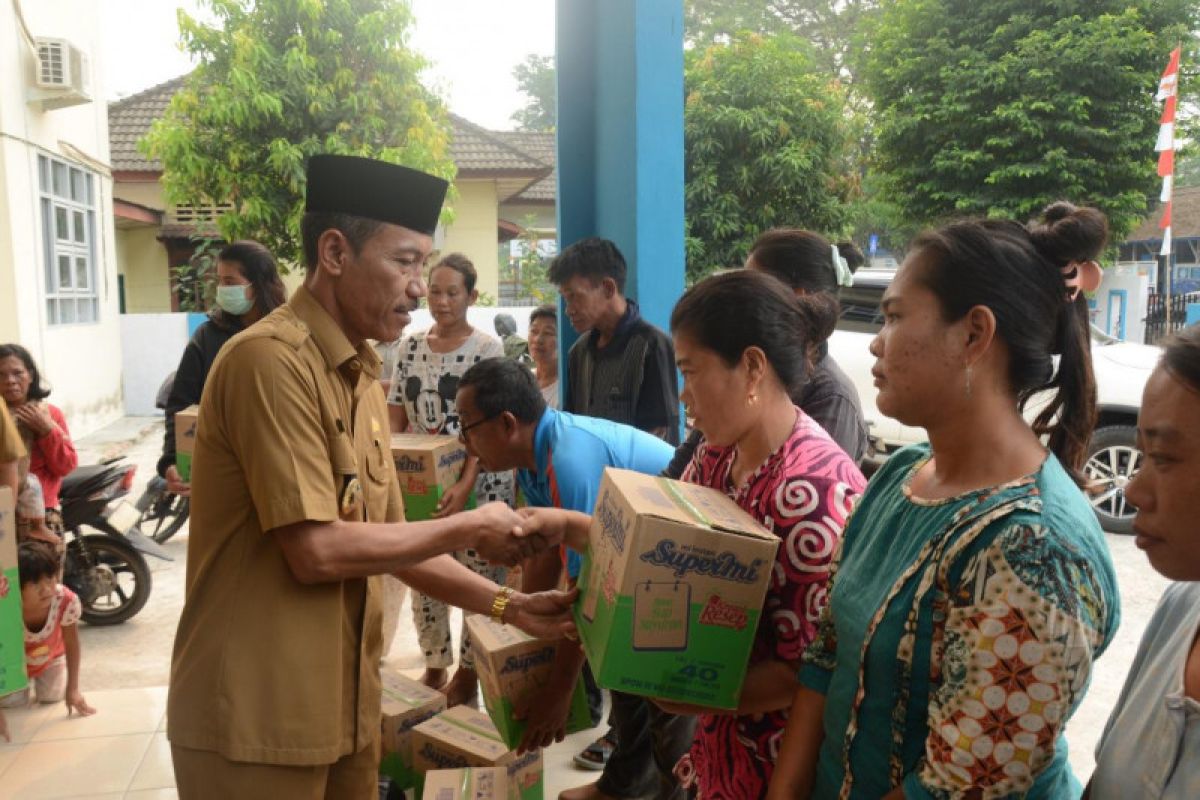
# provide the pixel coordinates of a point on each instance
(68, 209)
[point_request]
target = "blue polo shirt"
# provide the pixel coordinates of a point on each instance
(572, 452)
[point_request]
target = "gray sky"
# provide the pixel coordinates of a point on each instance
(473, 45)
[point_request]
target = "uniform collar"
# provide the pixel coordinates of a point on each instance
(335, 348)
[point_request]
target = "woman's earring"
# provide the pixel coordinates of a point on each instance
(968, 380)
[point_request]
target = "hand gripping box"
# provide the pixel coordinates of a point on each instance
(406, 704)
(185, 440)
(511, 665)
(463, 737)
(12, 625)
(427, 466)
(672, 589)
(470, 783)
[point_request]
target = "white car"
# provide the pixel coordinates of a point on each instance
(1121, 370)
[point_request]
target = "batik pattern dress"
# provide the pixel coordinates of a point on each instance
(959, 637)
(803, 493)
(426, 384)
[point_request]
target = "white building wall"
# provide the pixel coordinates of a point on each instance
(81, 361)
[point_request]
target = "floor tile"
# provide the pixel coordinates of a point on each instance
(87, 767)
(153, 794)
(118, 712)
(23, 723)
(155, 771)
(8, 754)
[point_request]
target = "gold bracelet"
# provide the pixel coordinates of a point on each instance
(500, 603)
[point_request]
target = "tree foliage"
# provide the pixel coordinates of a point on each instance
(278, 81)
(536, 80)
(999, 108)
(765, 137)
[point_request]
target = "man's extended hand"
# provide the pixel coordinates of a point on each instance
(500, 537)
(545, 713)
(546, 615)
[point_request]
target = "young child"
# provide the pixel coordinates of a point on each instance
(51, 613)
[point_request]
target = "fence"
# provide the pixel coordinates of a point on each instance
(1156, 314)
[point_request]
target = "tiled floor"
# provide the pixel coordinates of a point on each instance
(122, 751)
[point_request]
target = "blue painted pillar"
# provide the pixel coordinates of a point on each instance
(620, 141)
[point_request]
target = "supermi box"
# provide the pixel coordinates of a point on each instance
(463, 737)
(405, 704)
(427, 466)
(185, 440)
(513, 665)
(672, 589)
(12, 625)
(469, 783)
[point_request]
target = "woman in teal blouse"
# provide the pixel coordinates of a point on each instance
(974, 588)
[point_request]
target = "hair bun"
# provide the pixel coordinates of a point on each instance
(1069, 233)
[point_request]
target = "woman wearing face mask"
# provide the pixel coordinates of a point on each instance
(974, 588)
(1151, 745)
(248, 288)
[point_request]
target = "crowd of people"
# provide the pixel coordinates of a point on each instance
(927, 633)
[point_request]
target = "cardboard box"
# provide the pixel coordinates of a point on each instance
(471, 783)
(12, 626)
(672, 589)
(427, 466)
(185, 440)
(406, 704)
(463, 737)
(511, 665)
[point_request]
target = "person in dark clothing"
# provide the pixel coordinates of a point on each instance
(248, 288)
(814, 269)
(622, 368)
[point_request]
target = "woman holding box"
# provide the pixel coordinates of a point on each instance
(422, 400)
(974, 588)
(741, 346)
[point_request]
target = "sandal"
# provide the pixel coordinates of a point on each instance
(596, 755)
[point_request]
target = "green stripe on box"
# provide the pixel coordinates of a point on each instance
(183, 463)
(418, 507)
(402, 774)
(12, 637)
(500, 709)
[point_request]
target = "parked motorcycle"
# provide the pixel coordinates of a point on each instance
(106, 570)
(163, 514)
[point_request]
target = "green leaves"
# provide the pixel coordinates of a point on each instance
(1000, 108)
(279, 81)
(765, 135)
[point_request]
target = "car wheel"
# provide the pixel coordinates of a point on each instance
(1113, 460)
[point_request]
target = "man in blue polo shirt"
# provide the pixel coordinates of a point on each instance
(560, 459)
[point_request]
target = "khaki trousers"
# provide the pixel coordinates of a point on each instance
(203, 775)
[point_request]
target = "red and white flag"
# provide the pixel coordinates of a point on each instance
(1168, 87)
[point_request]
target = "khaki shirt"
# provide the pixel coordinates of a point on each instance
(12, 448)
(267, 669)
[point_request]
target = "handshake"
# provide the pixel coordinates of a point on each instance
(504, 536)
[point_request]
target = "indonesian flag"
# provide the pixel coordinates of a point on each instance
(1170, 77)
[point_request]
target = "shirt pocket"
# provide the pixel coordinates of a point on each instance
(380, 474)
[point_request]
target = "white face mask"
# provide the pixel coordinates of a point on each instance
(233, 300)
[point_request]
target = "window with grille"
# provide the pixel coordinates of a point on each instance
(69, 230)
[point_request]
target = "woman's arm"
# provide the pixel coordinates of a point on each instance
(796, 767)
(57, 449)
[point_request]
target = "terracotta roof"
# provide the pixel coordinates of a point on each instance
(477, 152)
(1185, 218)
(541, 145)
(129, 119)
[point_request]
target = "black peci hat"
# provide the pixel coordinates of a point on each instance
(364, 187)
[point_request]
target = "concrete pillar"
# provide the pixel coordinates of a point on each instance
(620, 141)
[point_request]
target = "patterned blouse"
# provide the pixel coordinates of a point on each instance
(803, 492)
(959, 637)
(426, 384)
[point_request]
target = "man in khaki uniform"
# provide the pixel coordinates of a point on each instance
(295, 506)
(12, 450)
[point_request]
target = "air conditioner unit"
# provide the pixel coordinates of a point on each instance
(62, 76)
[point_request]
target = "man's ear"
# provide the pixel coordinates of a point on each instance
(333, 251)
(610, 288)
